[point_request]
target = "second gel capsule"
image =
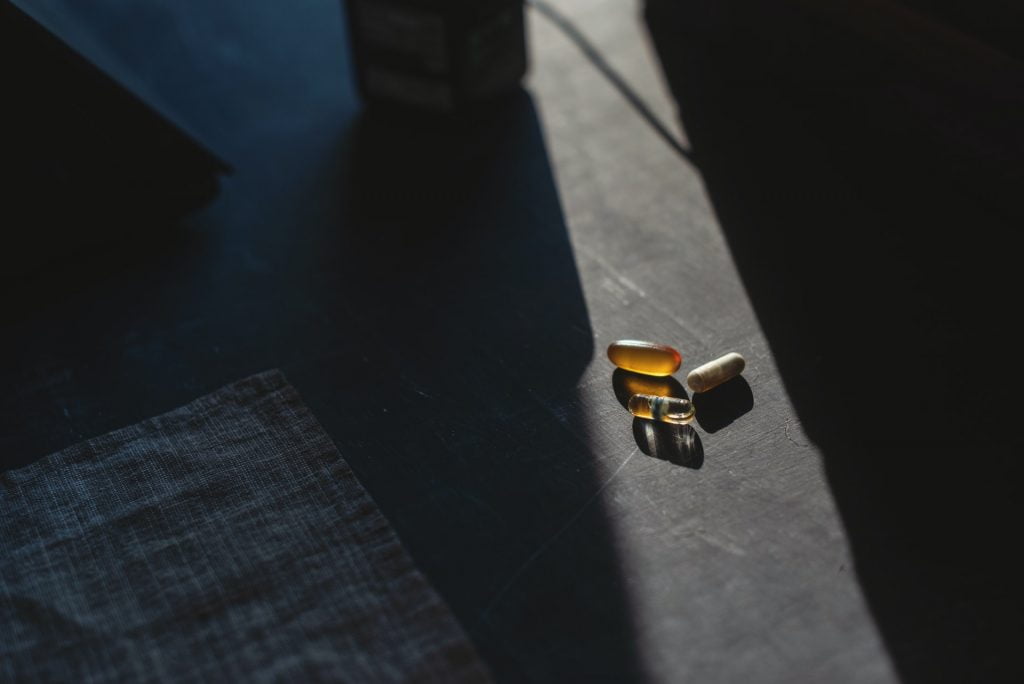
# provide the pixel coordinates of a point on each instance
(666, 409)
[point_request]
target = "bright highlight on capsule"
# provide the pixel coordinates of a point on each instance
(644, 357)
(666, 409)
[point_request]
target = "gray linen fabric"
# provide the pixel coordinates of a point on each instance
(225, 540)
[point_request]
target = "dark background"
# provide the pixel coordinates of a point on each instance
(441, 294)
(881, 257)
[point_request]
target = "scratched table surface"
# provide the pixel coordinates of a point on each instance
(442, 296)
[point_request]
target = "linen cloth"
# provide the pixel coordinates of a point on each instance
(226, 540)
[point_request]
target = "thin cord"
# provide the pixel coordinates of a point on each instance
(589, 51)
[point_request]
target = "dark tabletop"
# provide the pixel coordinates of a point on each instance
(441, 295)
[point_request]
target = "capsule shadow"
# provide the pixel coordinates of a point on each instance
(679, 444)
(722, 405)
(627, 383)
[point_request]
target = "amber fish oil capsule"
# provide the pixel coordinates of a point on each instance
(666, 409)
(644, 357)
(714, 373)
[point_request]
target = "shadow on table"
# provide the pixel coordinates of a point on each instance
(453, 383)
(720, 406)
(678, 444)
(865, 203)
(416, 283)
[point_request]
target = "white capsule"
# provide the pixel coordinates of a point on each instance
(714, 373)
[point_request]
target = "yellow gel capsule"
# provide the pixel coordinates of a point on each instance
(665, 409)
(644, 357)
(714, 373)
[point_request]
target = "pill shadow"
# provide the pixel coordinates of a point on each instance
(678, 444)
(722, 405)
(626, 383)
